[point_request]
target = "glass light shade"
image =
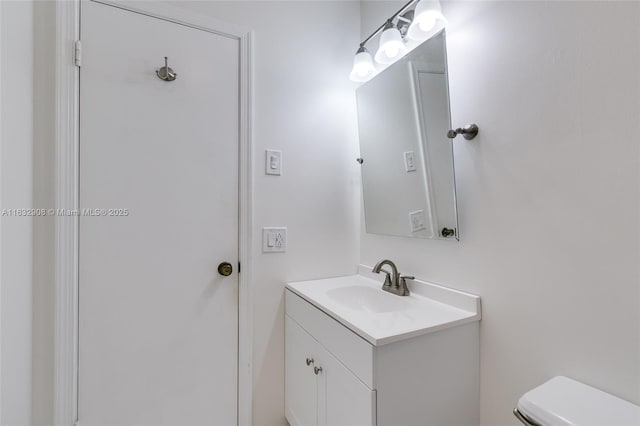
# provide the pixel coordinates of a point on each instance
(363, 68)
(428, 20)
(391, 47)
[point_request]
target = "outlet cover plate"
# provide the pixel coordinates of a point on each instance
(417, 221)
(274, 239)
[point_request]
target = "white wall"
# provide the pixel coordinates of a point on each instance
(548, 193)
(16, 170)
(304, 104)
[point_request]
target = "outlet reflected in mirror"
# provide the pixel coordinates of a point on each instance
(407, 160)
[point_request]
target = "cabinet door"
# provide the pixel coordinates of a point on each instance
(343, 400)
(301, 397)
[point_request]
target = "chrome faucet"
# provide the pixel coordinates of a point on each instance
(393, 282)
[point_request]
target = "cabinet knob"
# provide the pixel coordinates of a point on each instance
(317, 370)
(309, 361)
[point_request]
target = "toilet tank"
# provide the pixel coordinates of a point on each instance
(565, 402)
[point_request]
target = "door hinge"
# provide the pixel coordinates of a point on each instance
(77, 57)
(238, 267)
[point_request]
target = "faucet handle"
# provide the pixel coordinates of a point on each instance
(402, 285)
(387, 278)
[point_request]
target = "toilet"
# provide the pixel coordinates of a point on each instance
(565, 402)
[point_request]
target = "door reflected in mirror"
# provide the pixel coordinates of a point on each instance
(407, 160)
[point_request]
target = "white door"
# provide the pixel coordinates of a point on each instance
(157, 322)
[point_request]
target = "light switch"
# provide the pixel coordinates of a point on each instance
(410, 161)
(417, 221)
(273, 164)
(274, 240)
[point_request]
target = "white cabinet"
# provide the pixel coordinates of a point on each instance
(334, 377)
(319, 389)
(301, 385)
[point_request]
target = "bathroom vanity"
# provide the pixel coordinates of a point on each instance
(357, 355)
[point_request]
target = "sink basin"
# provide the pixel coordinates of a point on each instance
(367, 299)
(359, 303)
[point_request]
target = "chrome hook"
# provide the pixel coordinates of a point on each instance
(469, 132)
(165, 73)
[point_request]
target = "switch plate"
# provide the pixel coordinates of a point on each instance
(274, 240)
(273, 164)
(410, 161)
(417, 221)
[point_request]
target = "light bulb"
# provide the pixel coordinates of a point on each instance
(391, 51)
(391, 47)
(427, 20)
(427, 24)
(363, 68)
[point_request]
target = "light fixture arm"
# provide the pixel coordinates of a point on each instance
(394, 16)
(403, 19)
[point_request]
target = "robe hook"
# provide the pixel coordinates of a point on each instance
(166, 73)
(469, 132)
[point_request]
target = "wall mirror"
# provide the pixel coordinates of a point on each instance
(406, 158)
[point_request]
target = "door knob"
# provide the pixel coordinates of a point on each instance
(225, 269)
(317, 370)
(309, 361)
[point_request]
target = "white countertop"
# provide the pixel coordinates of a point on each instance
(359, 303)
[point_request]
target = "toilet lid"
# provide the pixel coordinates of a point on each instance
(565, 402)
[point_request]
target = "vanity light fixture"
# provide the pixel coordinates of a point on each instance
(412, 27)
(363, 68)
(427, 20)
(391, 46)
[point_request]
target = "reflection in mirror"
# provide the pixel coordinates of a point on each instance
(407, 159)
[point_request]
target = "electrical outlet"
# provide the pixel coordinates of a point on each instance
(274, 240)
(417, 221)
